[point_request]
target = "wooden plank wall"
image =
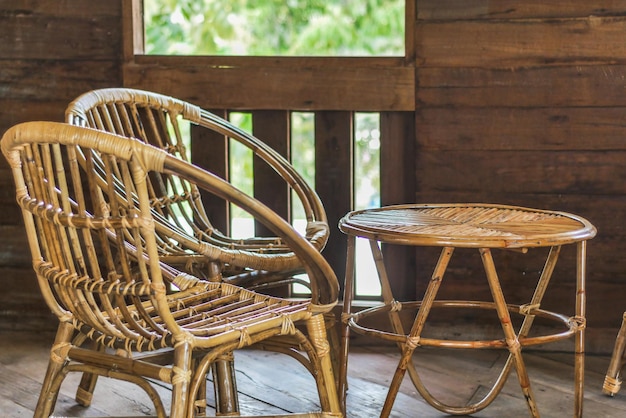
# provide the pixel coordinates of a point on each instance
(523, 103)
(50, 52)
(496, 101)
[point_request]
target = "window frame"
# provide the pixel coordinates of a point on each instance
(332, 83)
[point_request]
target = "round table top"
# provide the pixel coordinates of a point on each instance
(467, 225)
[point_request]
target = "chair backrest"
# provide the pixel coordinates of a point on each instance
(86, 205)
(158, 120)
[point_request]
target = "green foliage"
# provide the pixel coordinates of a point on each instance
(274, 27)
(366, 160)
(240, 158)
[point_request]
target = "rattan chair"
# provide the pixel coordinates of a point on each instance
(161, 121)
(613, 378)
(86, 204)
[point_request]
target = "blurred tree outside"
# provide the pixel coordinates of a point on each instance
(275, 27)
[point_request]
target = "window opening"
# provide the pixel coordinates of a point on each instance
(366, 183)
(274, 27)
(366, 195)
(240, 168)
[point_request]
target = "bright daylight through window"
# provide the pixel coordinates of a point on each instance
(275, 27)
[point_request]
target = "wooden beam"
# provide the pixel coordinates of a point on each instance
(284, 83)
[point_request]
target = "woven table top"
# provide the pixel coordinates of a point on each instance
(467, 225)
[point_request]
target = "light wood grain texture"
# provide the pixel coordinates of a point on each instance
(279, 83)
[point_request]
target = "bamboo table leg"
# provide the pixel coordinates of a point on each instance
(579, 339)
(512, 340)
(523, 332)
(345, 328)
(412, 340)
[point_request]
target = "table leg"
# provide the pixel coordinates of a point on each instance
(579, 359)
(535, 303)
(385, 288)
(510, 336)
(412, 340)
(348, 294)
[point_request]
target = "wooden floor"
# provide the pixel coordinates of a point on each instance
(268, 386)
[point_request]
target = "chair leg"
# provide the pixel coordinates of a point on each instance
(58, 358)
(84, 393)
(612, 380)
(225, 385)
(201, 401)
(181, 379)
(334, 340)
(325, 378)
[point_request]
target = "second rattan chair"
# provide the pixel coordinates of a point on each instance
(194, 243)
(86, 204)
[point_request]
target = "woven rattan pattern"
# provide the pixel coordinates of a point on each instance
(471, 225)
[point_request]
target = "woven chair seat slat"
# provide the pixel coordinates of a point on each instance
(87, 284)
(60, 217)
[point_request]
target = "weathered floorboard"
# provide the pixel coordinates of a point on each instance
(273, 383)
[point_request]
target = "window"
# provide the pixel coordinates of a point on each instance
(366, 195)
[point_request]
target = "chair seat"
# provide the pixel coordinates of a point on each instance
(214, 312)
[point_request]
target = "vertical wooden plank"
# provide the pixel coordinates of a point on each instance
(333, 178)
(397, 186)
(410, 18)
(397, 157)
(133, 29)
(271, 127)
(209, 150)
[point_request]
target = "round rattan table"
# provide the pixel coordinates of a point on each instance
(484, 227)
